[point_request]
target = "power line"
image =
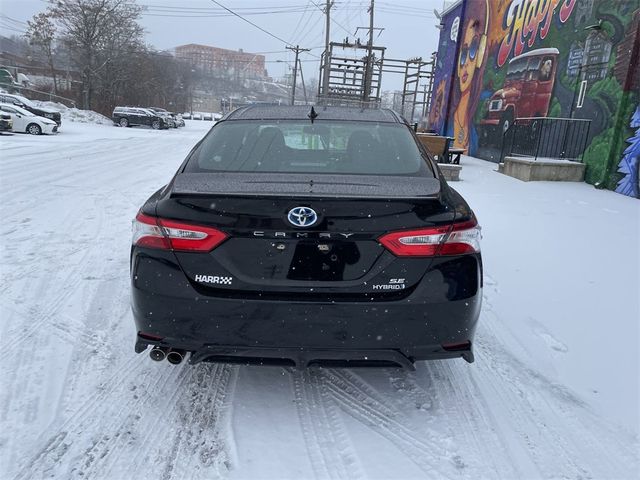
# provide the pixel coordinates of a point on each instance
(333, 20)
(251, 23)
(208, 13)
(299, 36)
(184, 8)
(13, 20)
(310, 30)
(13, 29)
(409, 8)
(304, 13)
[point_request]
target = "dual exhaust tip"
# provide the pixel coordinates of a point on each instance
(173, 355)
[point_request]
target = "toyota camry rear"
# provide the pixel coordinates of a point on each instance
(297, 237)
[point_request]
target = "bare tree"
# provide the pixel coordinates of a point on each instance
(99, 33)
(41, 33)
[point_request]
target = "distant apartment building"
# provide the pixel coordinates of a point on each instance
(221, 62)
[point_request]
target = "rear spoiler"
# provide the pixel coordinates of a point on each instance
(309, 185)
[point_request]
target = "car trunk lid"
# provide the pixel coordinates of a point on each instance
(265, 253)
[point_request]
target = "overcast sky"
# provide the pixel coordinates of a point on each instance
(409, 26)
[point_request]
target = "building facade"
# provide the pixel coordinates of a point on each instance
(497, 62)
(220, 62)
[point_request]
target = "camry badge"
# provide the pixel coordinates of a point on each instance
(302, 217)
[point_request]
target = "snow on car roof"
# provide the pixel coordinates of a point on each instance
(24, 100)
(20, 110)
(300, 112)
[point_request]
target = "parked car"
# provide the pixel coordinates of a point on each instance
(207, 116)
(292, 236)
(6, 123)
(197, 116)
(186, 116)
(26, 122)
(132, 116)
(28, 105)
(526, 91)
(168, 117)
(179, 120)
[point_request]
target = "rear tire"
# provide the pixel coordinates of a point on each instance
(34, 129)
(155, 125)
(124, 122)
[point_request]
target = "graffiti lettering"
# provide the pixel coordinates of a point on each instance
(523, 20)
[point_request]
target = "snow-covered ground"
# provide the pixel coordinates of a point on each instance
(553, 392)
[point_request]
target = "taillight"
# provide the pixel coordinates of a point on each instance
(458, 239)
(152, 232)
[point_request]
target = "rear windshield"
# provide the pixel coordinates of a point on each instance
(301, 147)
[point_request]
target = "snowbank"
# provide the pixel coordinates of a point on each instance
(75, 114)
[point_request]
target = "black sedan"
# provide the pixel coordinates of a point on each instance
(292, 236)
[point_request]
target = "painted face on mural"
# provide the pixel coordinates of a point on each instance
(468, 59)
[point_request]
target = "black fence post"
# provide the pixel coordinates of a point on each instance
(584, 143)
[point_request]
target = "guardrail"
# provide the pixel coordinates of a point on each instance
(546, 137)
(43, 96)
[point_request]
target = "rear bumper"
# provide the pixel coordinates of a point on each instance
(436, 320)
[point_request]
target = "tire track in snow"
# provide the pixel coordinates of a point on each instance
(203, 416)
(329, 448)
(364, 403)
(195, 392)
(79, 423)
(52, 176)
(469, 420)
(148, 406)
(27, 345)
(70, 281)
(534, 413)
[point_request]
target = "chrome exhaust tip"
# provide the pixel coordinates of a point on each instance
(175, 357)
(158, 353)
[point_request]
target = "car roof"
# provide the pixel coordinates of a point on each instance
(14, 95)
(301, 112)
(20, 109)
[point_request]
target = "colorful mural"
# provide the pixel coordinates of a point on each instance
(629, 166)
(448, 43)
(541, 58)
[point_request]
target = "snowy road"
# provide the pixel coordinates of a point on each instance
(553, 392)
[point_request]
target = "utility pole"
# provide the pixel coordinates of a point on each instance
(304, 87)
(368, 74)
(327, 58)
(296, 49)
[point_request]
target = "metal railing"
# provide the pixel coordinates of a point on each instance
(546, 137)
(34, 94)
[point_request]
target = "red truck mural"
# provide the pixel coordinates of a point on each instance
(526, 92)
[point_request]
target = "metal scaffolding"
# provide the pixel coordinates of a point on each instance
(346, 81)
(350, 78)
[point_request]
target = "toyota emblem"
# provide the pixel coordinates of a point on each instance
(302, 216)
